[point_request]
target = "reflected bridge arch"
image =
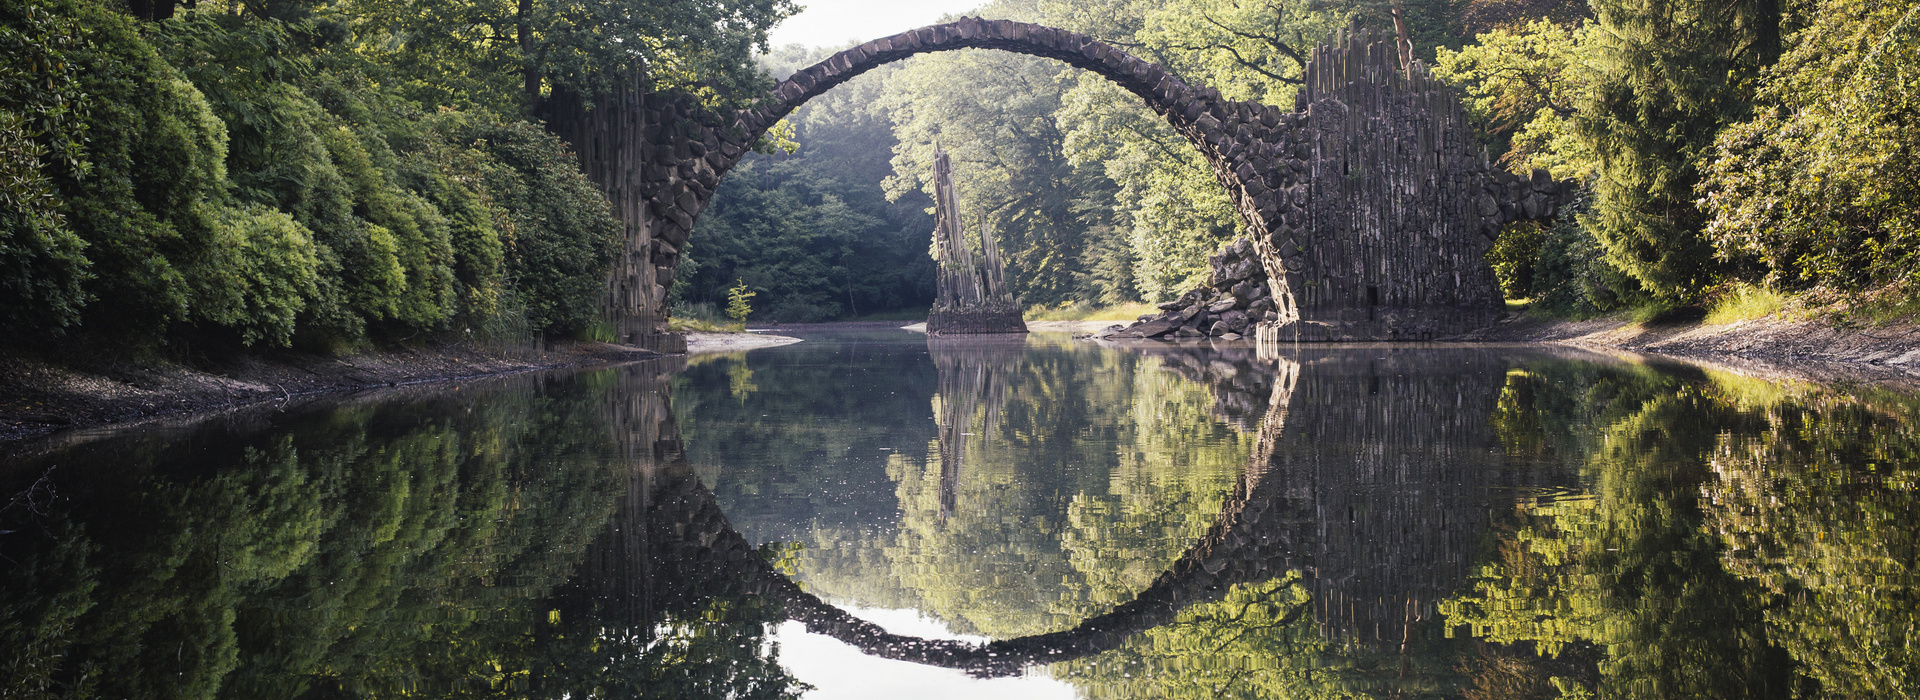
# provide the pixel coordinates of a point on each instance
(1374, 501)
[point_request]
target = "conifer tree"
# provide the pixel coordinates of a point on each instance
(1672, 75)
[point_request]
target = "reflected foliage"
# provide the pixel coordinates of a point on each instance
(1736, 538)
(1656, 530)
(1096, 470)
(371, 549)
(1818, 508)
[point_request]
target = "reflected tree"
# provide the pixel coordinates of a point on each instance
(403, 545)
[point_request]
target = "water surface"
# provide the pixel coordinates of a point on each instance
(874, 513)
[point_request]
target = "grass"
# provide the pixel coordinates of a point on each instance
(1889, 304)
(683, 325)
(1089, 312)
(1744, 302)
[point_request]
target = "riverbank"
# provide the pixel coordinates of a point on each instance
(1772, 340)
(1044, 326)
(39, 396)
(702, 342)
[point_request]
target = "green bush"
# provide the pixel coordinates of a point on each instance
(1513, 256)
(42, 264)
(564, 234)
(261, 269)
(1570, 277)
(1822, 186)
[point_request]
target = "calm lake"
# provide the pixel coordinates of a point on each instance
(877, 514)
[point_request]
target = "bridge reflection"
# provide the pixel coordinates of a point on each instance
(1371, 479)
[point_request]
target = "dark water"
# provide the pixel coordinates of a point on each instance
(880, 515)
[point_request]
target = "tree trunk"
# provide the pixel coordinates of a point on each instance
(1400, 31)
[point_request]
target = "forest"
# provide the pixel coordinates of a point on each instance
(334, 175)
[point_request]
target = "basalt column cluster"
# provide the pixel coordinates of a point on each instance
(1401, 204)
(973, 296)
(659, 161)
(1234, 301)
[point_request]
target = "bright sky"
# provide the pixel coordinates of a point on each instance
(833, 22)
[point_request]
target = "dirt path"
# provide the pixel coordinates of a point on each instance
(1770, 341)
(38, 397)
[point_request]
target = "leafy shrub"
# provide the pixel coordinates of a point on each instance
(260, 270)
(1571, 278)
(1744, 302)
(1822, 187)
(562, 232)
(1513, 256)
(136, 154)
(41, 260)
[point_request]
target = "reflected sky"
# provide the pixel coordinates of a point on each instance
(838, 671)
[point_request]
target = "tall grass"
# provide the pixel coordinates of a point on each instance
(701, 317)
(1744, 302)
(1077, 311)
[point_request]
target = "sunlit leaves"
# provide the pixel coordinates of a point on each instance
(1820, 187)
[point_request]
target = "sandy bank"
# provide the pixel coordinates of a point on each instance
(699, 342)
(1771, 341)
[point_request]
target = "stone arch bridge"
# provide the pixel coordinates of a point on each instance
(1370, 204)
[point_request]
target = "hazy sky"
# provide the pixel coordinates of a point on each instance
(833, 22)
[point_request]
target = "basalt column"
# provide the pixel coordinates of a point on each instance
(973, 295)
(659, 160)
(1401, 203)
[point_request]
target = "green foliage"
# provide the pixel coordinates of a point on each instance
(261, 269)
(993, 112)
(378, 549)
(560, 234)
(503, 55)
(1812, 510)
(1631, 570)
(1256, 642)
(42, 266)
(1164, 212)
(230, 174)
(813, 229)
(1571, 277)
(41, 263)
(738, 306)
(1524, 85)
(1821, 187)
(134, 158)
(1742, 302)
(1513, 257)
(1671, 75)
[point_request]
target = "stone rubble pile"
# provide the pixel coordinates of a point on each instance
(1228, 307)
(1241, 382)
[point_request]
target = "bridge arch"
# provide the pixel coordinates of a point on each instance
(1370, 192)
